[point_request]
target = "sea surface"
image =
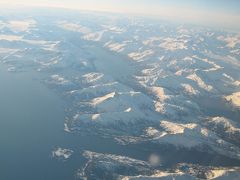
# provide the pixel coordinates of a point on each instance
(32, 126)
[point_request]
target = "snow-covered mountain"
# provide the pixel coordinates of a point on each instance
(137, 81)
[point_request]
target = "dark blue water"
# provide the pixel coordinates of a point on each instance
(31, 126)
(31, 120)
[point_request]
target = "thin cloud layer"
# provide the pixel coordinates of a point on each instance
(221, 13)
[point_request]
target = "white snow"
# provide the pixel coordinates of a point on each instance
(189, 89)
(151, 41)
(92, 77)
(74, 27)
(11, 69)
(48, 45)
(95, 36)
(200, 82)
(236, 83)
(128, 110)
(66, 128)
(231, 41)
(19, 25)
(215, 66)
(159, 93)
(99, 100)
(174, 128)
(8, 50)
(59, 79)
(95, 116)
(10, 37)
(117, 47)
(114, 29)
(191, 135)
(234, 99)
(227, 124)
(140, 55)
(172, 44)
(115, 159)
(228, 77)
(62, 153)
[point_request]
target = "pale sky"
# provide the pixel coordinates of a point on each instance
(222, 13)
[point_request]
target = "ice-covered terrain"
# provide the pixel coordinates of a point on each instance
(137, 81)
(108, 166)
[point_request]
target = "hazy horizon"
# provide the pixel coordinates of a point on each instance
(222, 13)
